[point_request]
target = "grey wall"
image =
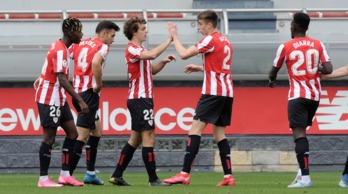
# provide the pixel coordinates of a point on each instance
(264, 153)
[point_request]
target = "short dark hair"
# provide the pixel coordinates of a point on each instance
(209, 16)
(71, 24)
(131, 26)
(302, 20)
(106, 24)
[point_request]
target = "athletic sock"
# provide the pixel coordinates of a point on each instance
(91, 152)
(123, 160)
(77, 151)
(302, 154)
(191, 152)
(149, 159)
(67, 153)
(45, 158)
(225, 157)
(345, 171)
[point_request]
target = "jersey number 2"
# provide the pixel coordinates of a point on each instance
(227, 58)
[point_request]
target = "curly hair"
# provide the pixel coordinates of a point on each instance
(132, 25)
(302, 20)
(71, 24)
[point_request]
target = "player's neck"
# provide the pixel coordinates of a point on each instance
(212, 31)
(66, 41)
(136, 42)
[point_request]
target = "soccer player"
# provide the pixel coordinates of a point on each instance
(140, 99)
(304, 57)
(340, 72)
(89, 60)
(215, 103)
(53, 108)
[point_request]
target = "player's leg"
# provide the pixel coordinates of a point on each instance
(302, 155)
(344, 180)
(83, 134)
(91, 154)
(124, 159)
(68, 125)
(192, 148)
(205, 113)
(49, 123)
(223, 107)
(149, 157)
(225, 155)
(45, 158)
(301, 113)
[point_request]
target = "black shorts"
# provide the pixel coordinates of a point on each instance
(53, 116)
(92, 100)
(301, 112)
(216, 110)
(141, 111)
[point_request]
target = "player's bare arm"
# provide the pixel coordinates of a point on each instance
(36, 83)
(66, 85)
(182, 51)
(272, 76)
(325, 68)
(97, 71)
(159, 66)
(337, 73)
(193, 68)
(154, 53)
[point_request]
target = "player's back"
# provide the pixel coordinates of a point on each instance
(83, 56)
(220, 58)
(303, 57)
(217, 59)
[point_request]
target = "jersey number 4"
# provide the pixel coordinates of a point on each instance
(82, 59)
(301, 57)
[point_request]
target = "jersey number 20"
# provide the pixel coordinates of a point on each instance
(311, 65)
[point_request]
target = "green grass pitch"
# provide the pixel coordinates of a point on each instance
(201, 183)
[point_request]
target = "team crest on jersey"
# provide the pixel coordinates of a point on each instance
(55, 119)
(64, 63)
(150, 122)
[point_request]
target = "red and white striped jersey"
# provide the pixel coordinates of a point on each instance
(139, 73)
(217, 60)
(302, 57)
(49, 91)
(83, 56)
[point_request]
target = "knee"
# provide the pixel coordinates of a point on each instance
(149, 140)
(72, 134)
(49, 140)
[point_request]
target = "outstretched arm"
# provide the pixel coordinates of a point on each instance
(154, 53)
(182, 51)
(337, 73)
(193, 68)
(159, 66)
